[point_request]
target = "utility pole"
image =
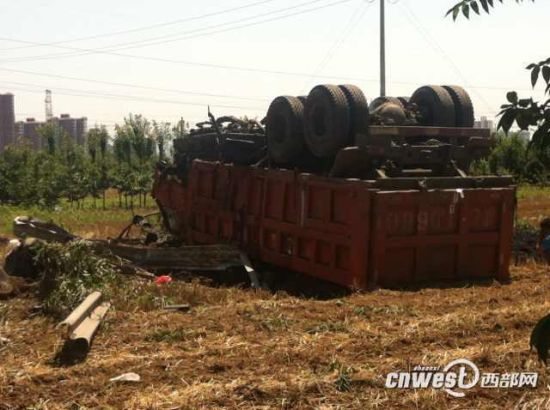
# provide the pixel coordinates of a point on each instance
(382, 48)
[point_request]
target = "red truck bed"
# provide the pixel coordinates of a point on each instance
(359, 234)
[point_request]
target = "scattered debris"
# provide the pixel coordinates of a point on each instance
(189, 258)
(20, 261)
(131, 258)
(29, 227)
(163, 280)
(80, 326)
(250, 271)
(126, 377)
(179, 308)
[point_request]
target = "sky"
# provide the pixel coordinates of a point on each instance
(169, 59)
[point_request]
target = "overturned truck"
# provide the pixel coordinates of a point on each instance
(359, 195)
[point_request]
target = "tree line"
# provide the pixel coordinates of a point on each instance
(64, 171)
(124, 162)
(514, 155)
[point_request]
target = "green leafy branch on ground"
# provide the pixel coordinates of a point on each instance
(70, 272)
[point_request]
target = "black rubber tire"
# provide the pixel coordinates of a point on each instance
(436, 106)
(464, 109)
(303, 99)
(326, 120)
(358, 110)
(379, 101)
(285, 130)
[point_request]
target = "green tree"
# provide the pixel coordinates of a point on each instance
(163, 137)
(511, 155)
(49, 132)
(135, 151)
(97, 143)
(525, 112)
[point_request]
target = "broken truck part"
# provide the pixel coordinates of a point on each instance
(217, 257)
(81, 325)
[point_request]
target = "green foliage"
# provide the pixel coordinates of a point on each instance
(525, 112)
(465, 6)
(511, 155)
(64, 171)
(71, 272)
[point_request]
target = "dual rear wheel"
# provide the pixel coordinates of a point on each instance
(444, 106)
(320, 124)
(331, 117)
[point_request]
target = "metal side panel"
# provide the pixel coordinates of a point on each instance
(441, 235)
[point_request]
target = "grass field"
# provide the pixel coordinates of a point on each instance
(88, 221)
(240, 348)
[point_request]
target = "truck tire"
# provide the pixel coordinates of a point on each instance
(285, 129)
(435, 105)
(326, 120)
(359, 110)
(464, 109)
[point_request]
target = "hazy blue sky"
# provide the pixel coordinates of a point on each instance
(339, 42)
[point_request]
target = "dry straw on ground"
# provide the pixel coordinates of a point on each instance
(239, 348)
(254, 349)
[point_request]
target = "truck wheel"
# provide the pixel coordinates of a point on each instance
(358, 108)
(326, 120)
(464, 109)
(285, 129)
(435, 105)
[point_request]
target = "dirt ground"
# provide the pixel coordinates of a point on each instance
(240, 348)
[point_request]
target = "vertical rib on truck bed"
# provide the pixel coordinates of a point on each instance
(344, 231)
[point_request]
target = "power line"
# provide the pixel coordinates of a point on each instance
(149, 27)
(111, 51)
(435, 45)
(168, 38)
(124, 97)
(348, 29)
(236, 68)
(168, 90)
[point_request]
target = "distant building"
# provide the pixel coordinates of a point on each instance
(28, 135)
(25, 132)
(76, 128)
(81, 130)
(7, 120)
(67, 124)
(484, 123)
